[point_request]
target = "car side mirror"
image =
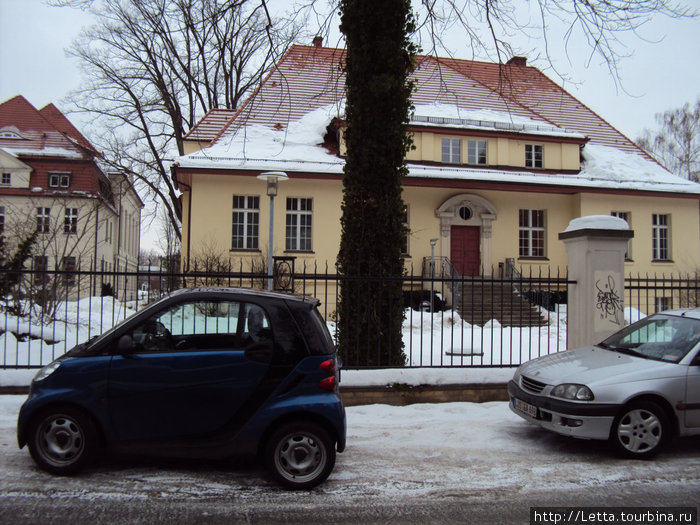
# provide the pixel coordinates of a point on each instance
(126, 344)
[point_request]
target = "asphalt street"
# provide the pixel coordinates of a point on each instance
(402, 465)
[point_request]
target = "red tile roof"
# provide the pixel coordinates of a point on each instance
(210, 125)
(309, 77)
(39, 133)
(60, 122)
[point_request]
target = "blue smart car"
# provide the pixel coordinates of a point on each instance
(205, 373)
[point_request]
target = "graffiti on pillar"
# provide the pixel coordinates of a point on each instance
(609, 303)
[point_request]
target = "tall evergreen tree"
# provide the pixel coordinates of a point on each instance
(379, 60)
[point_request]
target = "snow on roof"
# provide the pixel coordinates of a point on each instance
(450, 115)
(298, 148)
(45, 152)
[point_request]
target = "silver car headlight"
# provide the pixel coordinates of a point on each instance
(573, 391)
(47, 371)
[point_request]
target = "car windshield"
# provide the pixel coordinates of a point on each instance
(660, 337)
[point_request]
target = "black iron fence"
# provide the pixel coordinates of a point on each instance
(492, 320)
(647, 294)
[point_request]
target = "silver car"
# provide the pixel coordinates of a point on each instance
(637, 389)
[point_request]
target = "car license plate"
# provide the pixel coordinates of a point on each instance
(527, 408)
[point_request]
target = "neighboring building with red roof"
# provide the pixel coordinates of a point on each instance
(504, 158)
(52, 182)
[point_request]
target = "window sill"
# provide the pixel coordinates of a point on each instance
(301, 252)
(245, 250)
(533, 258)
(662, 261)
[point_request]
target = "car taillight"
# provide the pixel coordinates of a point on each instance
(328, 366)
(329, 383)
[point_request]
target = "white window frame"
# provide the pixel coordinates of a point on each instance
(43, 219)
(661, 237)
(59, 179)
(70, 221)
(477, 152)
(299, 225)
(451, 150)
(6, 178)
(662, 303)
(531, 156)
(69, 264)
(529, 232)
(626, 216)
(245, 223)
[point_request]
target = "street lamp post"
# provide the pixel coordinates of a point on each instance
(433, 242)
(272, 178)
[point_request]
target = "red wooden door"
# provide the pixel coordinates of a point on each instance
(464, 249)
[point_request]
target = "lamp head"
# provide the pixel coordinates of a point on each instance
(272, 178)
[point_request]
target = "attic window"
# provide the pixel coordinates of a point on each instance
(59, 180)
(9, 135)
(533, 155)
(6, 179)
(451, 151)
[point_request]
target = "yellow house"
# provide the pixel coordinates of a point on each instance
(504, 158)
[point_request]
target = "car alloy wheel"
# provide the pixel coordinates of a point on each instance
(62, 440)
(640, 430)
(300, 455)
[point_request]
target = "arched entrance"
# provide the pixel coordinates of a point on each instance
(465, 221)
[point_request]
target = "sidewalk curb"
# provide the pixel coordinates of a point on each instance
(397, 394)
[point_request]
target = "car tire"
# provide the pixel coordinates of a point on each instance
(640, 430)
(62, 440)
(300, 455)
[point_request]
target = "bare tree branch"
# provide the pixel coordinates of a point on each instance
(153, 68)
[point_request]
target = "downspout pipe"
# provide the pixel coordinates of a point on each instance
(173, 175)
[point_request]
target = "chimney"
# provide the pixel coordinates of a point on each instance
(518, 61)
(318, 41)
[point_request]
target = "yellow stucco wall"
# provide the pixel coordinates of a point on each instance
(211, 222)
(685, 229)
(500, 151)
(190, 146)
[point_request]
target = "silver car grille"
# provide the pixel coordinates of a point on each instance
(531, 385)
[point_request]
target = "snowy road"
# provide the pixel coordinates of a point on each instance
(442, 463)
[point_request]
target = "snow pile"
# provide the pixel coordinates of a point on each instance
(299, 142)
(598, 222)
(603, 163)
(29, 341)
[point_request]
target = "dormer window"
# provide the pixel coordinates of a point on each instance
(476, 152)
(533, 156)
(59, 179)
(9, 135)
(451, 151)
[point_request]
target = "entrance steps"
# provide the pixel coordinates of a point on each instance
(479, 302)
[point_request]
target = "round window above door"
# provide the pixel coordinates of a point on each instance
(465, 213)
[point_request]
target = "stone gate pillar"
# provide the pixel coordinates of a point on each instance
(596, 247)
